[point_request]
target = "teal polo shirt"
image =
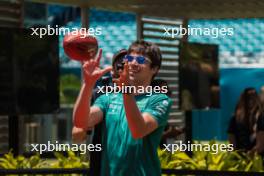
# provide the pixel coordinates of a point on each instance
(122, 155)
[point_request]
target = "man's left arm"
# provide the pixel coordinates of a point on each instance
(142, 124)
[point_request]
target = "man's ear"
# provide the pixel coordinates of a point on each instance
(155, 70)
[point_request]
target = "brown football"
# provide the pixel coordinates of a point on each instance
(80, 47)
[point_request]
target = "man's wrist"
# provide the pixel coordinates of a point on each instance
(89, 83)
(87, 89)
(128, 94)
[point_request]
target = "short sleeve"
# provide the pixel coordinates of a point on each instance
(260, 123)
(232, 125)
(102, 102)
(159, 107)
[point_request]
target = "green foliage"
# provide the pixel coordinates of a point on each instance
(20, 162)
(72, 161)
(69, 88)
(205, 160)
(200, 160)
(61, 161)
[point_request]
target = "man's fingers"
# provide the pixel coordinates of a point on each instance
(126, 64)
(126, 67)
(86, 63)
(89, 65)
(99, 57)
(120, 71)
(116, 80)
(107, 69)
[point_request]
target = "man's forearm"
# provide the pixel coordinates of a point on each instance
(81, 109)
(135, 120)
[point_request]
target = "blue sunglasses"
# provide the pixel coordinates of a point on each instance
(139, 59)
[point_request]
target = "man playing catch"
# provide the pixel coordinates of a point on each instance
(133, 122)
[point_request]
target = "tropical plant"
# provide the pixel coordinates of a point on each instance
(69, 88)
(207, 160)
(9, 161)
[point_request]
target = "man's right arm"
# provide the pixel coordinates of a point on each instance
(85, 116)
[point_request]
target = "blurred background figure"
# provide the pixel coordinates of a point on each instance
(118, 62)
(170, 132)
(261, 94)
(246, 128)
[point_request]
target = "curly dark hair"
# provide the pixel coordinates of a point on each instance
(147, 49)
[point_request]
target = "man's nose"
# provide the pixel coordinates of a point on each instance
(134, 62)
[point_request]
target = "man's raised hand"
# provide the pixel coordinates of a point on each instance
(124, 76)
(91, 70)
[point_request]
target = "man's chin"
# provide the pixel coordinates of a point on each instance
(132, 78)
